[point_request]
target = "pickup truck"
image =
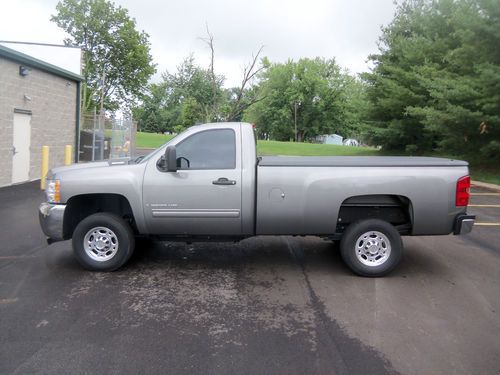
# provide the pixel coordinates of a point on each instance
(207, 183)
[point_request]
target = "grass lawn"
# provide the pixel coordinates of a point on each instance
(311, 149)
(485, 173)
(151, 140)
(479, 172)
(154, 140)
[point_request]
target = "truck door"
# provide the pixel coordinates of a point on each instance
(204, 196)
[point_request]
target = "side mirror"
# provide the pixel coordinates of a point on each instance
(171, 158)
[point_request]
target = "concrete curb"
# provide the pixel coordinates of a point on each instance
(486, 185)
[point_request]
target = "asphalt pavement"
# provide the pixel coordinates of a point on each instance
(266, 305)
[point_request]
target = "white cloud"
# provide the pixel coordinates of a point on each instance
(29, 20)
(345, 29)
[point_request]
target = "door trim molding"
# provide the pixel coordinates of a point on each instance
(191, 213)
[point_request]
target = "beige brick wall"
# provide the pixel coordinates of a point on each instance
(53, 106)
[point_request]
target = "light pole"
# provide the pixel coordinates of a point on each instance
(296, 104)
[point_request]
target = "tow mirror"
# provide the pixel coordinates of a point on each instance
(171, 158)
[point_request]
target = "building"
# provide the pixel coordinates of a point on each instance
(329, 139)
(39, 105)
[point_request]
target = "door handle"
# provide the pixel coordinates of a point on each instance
(14, 150)
(224, 181)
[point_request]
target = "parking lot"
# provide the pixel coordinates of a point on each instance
(277, 305)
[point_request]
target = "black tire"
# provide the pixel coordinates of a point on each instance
(118, 241)
(387, 252)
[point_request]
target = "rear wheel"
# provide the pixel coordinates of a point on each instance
(371, 247)
(103, 242)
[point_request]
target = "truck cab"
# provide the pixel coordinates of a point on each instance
(211, 188)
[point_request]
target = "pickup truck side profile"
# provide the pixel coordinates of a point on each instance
(207, 183)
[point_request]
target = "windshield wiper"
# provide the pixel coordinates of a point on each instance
(136, 160)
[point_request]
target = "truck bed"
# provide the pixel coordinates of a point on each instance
(357, 161)
(304, 195)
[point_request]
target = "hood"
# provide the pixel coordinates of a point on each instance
(55, 172)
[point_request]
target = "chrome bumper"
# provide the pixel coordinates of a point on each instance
(51, 218)
(464, 224)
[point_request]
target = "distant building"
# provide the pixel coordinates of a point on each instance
(39, 105)
(330, 139)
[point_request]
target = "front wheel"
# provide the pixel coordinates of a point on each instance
(103, 242)
(371, 247)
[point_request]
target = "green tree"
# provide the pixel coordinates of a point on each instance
(356, 109)
(152, 116)
(312, 92)
(182, 99)
(117, 59)
(436, 78)
(193, 86)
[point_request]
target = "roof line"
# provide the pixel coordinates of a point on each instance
(32, 62)
(38, 44)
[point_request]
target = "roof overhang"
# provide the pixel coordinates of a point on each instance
(32, 62)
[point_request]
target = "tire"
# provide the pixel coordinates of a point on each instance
(103, 242)
(371, 247)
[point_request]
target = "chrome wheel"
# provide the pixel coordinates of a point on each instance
(373, 248)
(100, 244)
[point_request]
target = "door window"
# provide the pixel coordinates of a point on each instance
(210, 149)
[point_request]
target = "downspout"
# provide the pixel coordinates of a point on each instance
(77, 127)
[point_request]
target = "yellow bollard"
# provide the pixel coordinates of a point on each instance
(68, 151)
(45, 166)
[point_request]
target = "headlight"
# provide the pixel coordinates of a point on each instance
(53, 191)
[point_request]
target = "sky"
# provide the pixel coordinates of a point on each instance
(347, 30)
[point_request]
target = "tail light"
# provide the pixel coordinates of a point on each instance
(463, 191)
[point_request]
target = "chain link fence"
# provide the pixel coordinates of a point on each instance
(103, 138)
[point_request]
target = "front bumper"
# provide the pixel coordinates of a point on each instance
(51, 218)
(463, 223)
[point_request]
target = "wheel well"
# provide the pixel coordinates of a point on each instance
(395, 209)
(81, 206)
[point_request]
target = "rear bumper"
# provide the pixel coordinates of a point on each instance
(463, 224)
(51, 218)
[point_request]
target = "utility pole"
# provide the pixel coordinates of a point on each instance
(101, 116)
(296, 104)
(102, 91)
(93, 134)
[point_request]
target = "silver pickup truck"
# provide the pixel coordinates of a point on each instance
(208, 184)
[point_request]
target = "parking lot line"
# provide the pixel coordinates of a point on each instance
(484, 205)
(484, 193)
(487, 224)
